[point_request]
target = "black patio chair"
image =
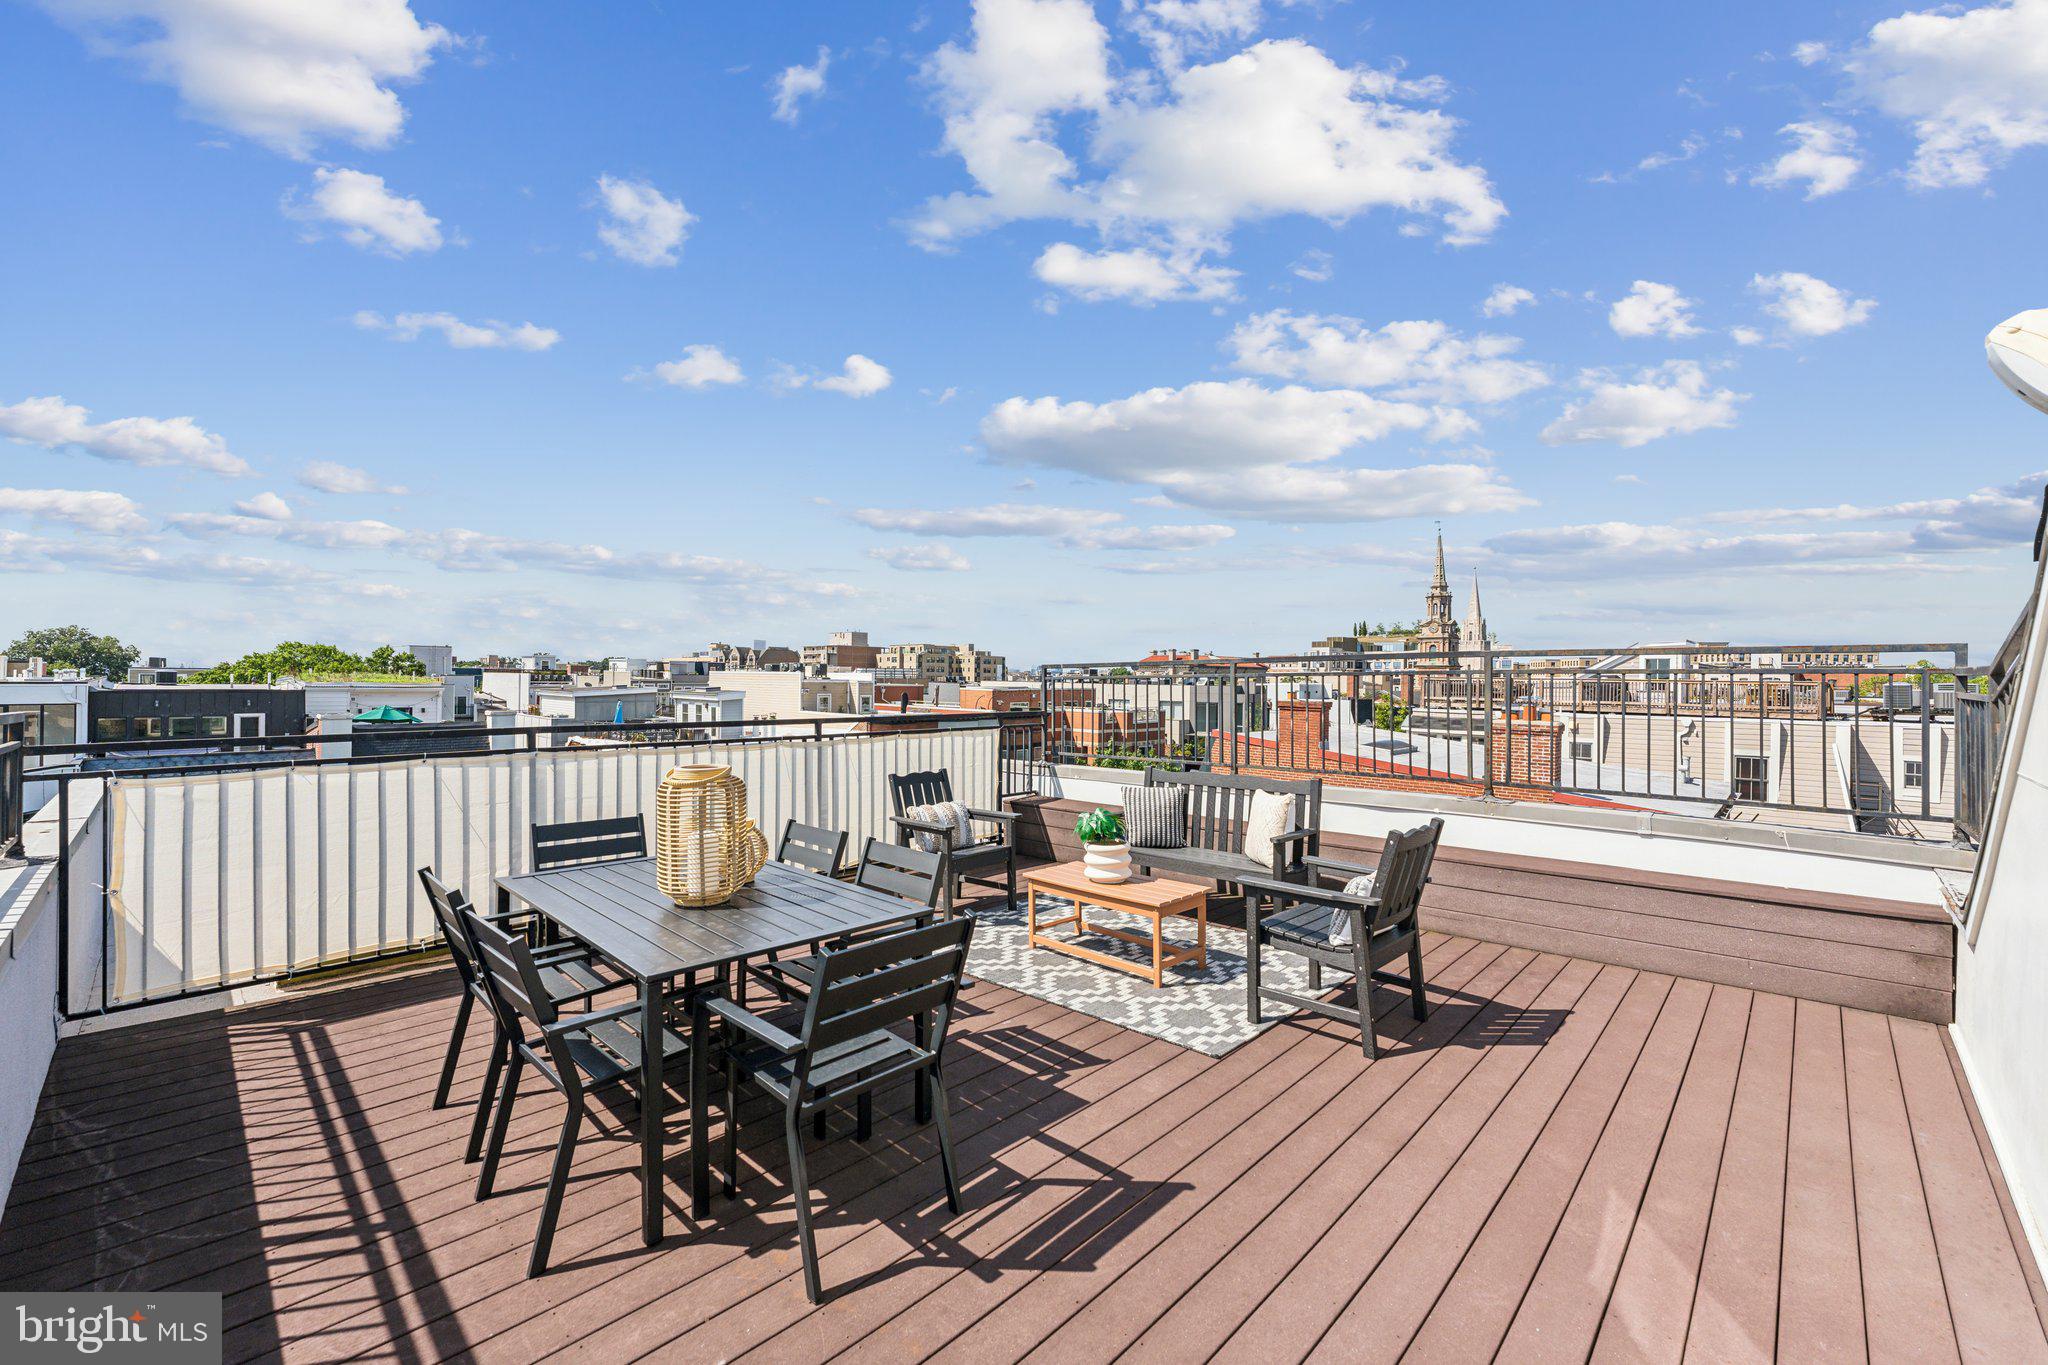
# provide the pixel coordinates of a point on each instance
(974, 860)
(1383, 928)
(569, 973)
(910, 873)
(580, 1056)
(812, 848)
(588, 841)
(845, 1047)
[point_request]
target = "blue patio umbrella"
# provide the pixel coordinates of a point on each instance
(618, 713)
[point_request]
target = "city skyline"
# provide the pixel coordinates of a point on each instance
(1070, 330)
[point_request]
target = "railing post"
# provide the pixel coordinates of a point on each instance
(1486, 664)
(1230, 717)
(1926, 744)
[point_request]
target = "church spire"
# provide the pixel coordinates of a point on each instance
(1474, 633)
(1438, 600)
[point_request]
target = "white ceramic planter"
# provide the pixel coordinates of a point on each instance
(1107, 863)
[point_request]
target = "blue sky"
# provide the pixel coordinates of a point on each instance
(1075, 330)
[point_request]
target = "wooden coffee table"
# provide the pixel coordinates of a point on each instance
(1152, 898)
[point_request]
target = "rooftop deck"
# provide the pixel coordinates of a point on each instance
(1568, 1160)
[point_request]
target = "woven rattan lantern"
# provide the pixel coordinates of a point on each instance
(705, 847)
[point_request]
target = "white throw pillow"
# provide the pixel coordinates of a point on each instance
(952, 813)
(1271, 815)
(1340, 916)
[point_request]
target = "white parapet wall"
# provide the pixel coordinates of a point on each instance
(219, 879)
(2001, 1028)
(1764, 855)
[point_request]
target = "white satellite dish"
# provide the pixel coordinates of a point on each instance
(2018, 351)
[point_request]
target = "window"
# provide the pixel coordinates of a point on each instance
(49, 724)
(1751, 777)
(184, 727)
(109, 728)
(1916, 774)
(148, 727)
(213, 725)
(1582, 751)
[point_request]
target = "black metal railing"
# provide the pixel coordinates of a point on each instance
(13, 769)
(1719, 730)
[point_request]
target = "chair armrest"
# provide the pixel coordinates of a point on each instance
(1293, 838)
(585, 1020)
(923, 826)
(1336, 867)
(1003, 817)
(747, 1022)
(1303, 891)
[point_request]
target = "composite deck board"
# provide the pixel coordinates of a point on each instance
(1567, 1157)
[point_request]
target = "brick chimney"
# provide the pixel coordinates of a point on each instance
(1303, 730)
(1525, 747)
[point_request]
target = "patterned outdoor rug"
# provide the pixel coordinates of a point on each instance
(1198, 1008)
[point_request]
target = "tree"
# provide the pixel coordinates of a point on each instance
(101, 656)
(298, 659)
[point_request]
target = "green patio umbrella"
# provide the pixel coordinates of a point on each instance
(381, 714)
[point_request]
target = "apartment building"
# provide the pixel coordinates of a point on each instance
(842, 649)
(977, 666)
(919, 663)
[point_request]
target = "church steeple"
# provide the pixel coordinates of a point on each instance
(1438, 599)
(1475, 620)
(1439, 631)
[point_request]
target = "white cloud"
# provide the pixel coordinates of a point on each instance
(268, 506)
(1140, 276)
(1282, 129)
(289, 75)
(1809, 53)
(1245, 448)
(642, 225)
(1809, 307)
(1081, 528)
(152, 441)
(463, 336)
(1971, 83)
(1651, 309)
(1421, 360)
(1933, 531)
(1505, 300)
(366, 213)
(465, 551)
(1315, 265)
(1188, 152)
(1672, 399)
(998, 519)
(1689, 147)
(1823, 157)
(860, 378)
(330, 477)
(798, 83)
(701, 367)
(1175, 29)
(921, 558)
(1030, 60)
(100, 512)
(1990, 517)
(1746, 336)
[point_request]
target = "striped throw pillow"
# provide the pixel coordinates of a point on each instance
(1156, 817)
(950, 813)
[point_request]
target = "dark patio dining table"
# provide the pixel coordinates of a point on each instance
(616, 908)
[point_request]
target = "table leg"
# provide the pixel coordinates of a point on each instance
(700, 1089)
(651, 1097)
(921, 1085)
(1202, 933)
(1158, 951)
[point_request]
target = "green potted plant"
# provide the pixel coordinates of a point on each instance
(1105, 857)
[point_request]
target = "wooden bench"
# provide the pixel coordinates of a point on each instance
(1217, 806)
